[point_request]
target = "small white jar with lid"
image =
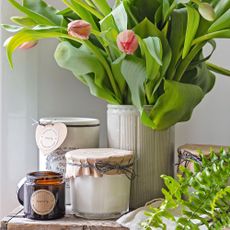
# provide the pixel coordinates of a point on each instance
(99, 182)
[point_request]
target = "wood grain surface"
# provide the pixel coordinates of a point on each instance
(16, 221)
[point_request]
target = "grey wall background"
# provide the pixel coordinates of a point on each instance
(210, 122)
(37, 87)
(61, 94)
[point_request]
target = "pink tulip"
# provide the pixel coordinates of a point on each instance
(79, 29)
(127, 41)
(28, 45)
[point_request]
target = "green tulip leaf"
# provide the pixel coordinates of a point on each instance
(175, 104)
(86, 7)
(167, 56)
(27, 35)
(40, 19)
(152, 50)
(147, 29)
(142, 9)
(218, 69)
(200, 76)
(120, 17)
(158, 16)
(11, 28)
(133, 70)
(68, 13)
(218, 34)
(42, 8)
(109, 35)
(116, 69)
(86, 67)
(64, 12)
(192, 26)
(165, 9)
(182, 1)
(23, 21)
(178, 31)
(221, 23)
(103, 6)
(102, 93)
(178, 28)
(221, 7)
(154, 47)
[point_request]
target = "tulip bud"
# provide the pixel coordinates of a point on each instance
(207, 11)
(127, 42)
(79, 29)
(28, 45)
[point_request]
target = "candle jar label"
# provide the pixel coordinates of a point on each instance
(42, 202)
(49, 138)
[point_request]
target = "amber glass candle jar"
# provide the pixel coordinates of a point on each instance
(44, 195)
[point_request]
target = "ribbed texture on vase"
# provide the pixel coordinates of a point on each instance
(153, 151)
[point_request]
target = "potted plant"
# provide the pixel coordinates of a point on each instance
(145, 57)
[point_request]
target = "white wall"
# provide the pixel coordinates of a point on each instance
(18, 104)
(210, 123)
(37, 87)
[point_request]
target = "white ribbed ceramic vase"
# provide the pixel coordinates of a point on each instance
(154, 151)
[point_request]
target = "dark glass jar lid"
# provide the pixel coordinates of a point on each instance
(44, 175)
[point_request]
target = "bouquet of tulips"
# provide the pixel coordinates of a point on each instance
(139, 52)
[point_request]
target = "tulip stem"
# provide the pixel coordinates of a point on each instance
(187, 60)
(103, 61)
(197, 2)
(89, 9)
(107, 68)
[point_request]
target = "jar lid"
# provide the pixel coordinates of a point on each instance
(70, 121)
(99, 161)
(44, 175)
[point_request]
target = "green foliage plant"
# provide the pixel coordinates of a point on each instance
(203, 196)
(168, 71)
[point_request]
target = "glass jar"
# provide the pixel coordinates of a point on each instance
(80, 133)
(44, 195)
(99, 182)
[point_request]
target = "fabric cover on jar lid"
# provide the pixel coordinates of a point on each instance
(99, 161)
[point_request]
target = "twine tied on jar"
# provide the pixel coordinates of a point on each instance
(98, 162)
(109, 169)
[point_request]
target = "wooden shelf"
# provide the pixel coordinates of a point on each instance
(16, 221)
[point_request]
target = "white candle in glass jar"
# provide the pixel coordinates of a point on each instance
(96, 194)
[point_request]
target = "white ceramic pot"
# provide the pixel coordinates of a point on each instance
(153, 151)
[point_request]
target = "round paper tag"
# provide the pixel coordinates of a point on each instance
(42, 202)
(50, 137)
